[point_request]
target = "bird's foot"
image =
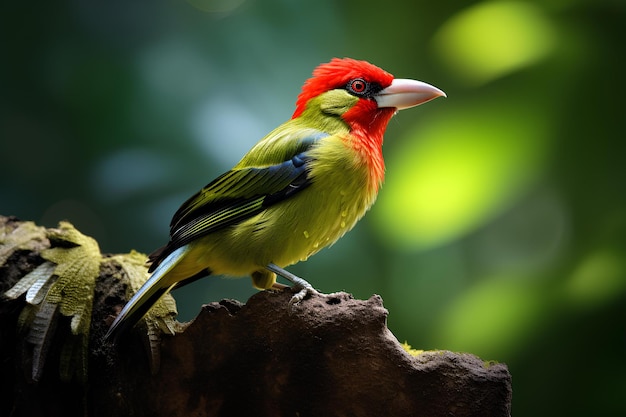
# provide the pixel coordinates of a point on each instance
(304, 288)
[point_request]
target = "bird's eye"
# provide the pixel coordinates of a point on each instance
(357, 86)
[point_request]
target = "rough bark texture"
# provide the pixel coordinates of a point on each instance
(331, 355)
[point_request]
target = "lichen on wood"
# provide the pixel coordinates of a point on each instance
(63, 284)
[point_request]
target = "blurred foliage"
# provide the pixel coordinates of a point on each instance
(501, 229)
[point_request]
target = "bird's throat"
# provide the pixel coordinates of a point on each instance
(367, 129)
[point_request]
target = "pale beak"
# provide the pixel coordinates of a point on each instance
(403, 94)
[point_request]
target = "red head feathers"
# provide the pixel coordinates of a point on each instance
(336, 74)
(380, 96)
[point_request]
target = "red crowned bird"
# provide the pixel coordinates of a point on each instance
(299, 189)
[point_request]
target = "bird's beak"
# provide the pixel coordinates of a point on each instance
(403, 93)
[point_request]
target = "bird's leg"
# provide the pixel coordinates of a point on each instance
(279, 286)
(302, 284)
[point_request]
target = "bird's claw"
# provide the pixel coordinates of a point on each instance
(304, 288)
(304, 292)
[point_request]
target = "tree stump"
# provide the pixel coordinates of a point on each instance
(330, 355)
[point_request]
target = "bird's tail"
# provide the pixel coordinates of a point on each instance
(149, 293)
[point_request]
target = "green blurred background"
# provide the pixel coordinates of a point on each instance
(501, 229)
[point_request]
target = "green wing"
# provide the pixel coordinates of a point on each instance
(239, 194)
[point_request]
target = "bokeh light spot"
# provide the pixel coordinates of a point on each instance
(598, 279)
(494, 316)
(492, 39)
(455, 172)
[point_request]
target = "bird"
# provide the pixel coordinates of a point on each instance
(298, 190)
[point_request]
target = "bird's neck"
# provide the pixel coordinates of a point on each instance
(363, 125)
(367, 130)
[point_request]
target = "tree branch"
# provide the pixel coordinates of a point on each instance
(330, 355)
